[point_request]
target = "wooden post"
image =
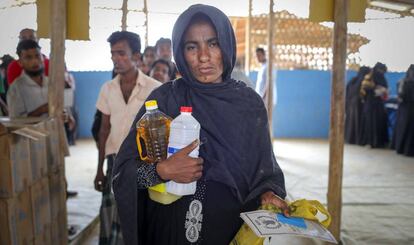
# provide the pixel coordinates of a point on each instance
(269, 75)
(248, 40)
(55, 93)
(336, 130)
(124, 15)
(146, 22)
(57, 57)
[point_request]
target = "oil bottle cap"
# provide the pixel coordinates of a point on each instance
(186, 109)
(151, 105)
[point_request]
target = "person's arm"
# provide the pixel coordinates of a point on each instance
(96, 125)
(179, 167)
(102, 105)
(103, 136)
(261, 86)
(39, 111)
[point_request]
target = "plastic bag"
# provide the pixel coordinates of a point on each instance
(307, 209)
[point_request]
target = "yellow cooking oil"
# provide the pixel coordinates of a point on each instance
(153, 130)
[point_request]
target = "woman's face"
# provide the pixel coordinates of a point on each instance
(202, 53)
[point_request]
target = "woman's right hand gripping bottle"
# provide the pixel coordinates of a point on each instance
(152, 138)
(184, 130)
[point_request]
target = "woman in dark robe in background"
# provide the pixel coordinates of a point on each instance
(403, 140)
(236, 170)
(353, 107)
(374, 90)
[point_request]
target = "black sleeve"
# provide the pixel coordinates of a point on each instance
(147, 176)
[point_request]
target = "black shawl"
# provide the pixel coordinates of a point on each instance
(403, 137)
(353, 107)
(237, 149)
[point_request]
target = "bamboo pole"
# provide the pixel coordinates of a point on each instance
(124, 15)
(269, 71)
(248, 40)
(146, 22)
(56, 87)
(57, 57)
(336, 131)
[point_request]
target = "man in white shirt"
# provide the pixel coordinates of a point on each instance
(262, 87)
(119, 101)
(28, 95)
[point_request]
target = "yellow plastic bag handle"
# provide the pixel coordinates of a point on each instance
(138, 139)
(306, 209)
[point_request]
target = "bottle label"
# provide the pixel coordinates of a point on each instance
(172, 150)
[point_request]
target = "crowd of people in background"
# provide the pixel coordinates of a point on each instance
(373, 117)
(24, 88)
(27, 76)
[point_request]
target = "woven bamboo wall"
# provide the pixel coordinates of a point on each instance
(298, 42)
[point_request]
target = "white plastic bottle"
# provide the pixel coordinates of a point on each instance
(184, 129)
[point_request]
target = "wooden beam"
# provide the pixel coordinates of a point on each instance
(269, 58)
(336, 130)
(57, 57)
(124, 15)
(248, 39)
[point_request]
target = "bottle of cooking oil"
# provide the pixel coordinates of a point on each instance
(153, 130)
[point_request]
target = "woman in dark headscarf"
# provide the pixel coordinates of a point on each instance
(374, 90)
(403, 140)
(353, 107)
(237, 169)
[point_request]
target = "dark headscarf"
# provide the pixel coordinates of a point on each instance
(354, 85)
(225, 35)
(237, 149)
(363, 70)
(378, 74)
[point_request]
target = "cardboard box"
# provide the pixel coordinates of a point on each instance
(15, 174)
(41, 206)
(16, 219)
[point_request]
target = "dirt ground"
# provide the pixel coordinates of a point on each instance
(377, 191)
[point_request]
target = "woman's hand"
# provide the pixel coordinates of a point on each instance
(180, 167)
(271, 198)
